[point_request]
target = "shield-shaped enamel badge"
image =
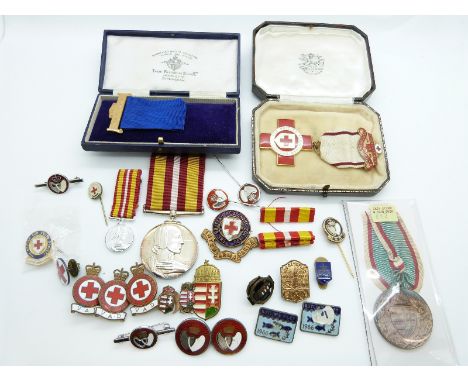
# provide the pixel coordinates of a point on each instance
(186, 298)
(141, 290)
(168, 300)
(295, 281)
(113, 297)
(86, 291)
(207, 291)
(231, 228)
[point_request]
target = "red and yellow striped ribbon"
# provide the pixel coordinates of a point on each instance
(269, 240)
(175, 183)
(287, 215)
(126, 194)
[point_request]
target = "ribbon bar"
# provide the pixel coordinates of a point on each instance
(126, 194)
(268, 240)
(287, 215)
(175, 183)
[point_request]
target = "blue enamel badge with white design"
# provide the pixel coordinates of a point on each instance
(323, 272)
(320, 319)
(275, 325)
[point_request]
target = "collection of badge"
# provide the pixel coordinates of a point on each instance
(175, 186)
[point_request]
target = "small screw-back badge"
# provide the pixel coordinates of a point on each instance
(66, 272)
(168, 300)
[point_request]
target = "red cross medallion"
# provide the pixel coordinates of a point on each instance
(286, 141)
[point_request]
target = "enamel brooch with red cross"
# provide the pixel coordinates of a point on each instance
(113, 297)
(286, 141)
(86, 291)
(38, 248)
(231, 228)
(141, 291)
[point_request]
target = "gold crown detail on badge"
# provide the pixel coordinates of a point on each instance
(120, 275)
(137, 269)
(93, 270)
(207, 273)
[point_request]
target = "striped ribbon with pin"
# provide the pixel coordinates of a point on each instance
(126, 194)
(287, 215)
(175, 183)
(269, 240)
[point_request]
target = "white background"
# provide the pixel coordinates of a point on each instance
(48, 82)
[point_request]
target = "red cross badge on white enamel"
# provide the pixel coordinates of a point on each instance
(86, 289)
(113, 294)
(141, 289)
(286, 141)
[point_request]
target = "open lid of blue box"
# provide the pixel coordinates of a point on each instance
(312, 61)
(170, 63)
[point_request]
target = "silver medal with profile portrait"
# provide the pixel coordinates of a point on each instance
(119, 237)
(169, 250)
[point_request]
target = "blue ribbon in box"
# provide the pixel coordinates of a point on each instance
(141, 113)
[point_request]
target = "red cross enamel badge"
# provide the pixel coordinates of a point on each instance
(86, 289)
(113, 294)
(286, 141)
(141, 289)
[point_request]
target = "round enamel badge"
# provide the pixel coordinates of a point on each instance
(62, 271)
(113, 296)
(249, 194)
(231, 228)
(192, 336)
(38, 248)
(286, 141)
(95, 190)
(143, 338)
(217, 199)
(58, 183)
(86, 290)
(141, 289)
(229, 336)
